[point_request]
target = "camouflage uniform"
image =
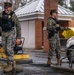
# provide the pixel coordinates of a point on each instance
(8, 38)
(54, 41)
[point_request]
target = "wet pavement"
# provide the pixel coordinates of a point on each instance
(39, 70)
(38, 66)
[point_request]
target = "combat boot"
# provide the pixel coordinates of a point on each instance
(58, 61)
(16, 68)
(4, 66)
(8, 68)
(14, 64)
(49, 62)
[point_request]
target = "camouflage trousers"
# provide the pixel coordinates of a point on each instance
(54, 45)
(8, 40)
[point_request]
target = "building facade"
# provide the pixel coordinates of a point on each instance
(31, 17)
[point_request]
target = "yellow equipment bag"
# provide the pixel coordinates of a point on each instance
(68, 33)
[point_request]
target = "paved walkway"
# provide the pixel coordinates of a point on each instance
(39, 57)
(64, 65)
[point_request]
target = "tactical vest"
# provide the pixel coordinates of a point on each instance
(52, 32)
(6, 21)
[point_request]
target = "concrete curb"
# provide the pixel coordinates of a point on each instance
(63, 69)
(19, 61)
(24, 61)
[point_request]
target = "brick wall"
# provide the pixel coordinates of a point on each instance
(38, 33)
(48, 5)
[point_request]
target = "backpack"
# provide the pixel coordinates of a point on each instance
(6, 21)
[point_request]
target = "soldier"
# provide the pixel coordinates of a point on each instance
(11, 30)
(54, 41)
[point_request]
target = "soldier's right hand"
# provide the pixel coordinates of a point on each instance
(18, 42)
(67, 28)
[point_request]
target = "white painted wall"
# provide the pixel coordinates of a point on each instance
(28, 32)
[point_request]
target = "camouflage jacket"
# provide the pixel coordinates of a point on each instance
(51, 25)
(16, 25)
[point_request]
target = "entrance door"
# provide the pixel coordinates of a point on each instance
(28, 32)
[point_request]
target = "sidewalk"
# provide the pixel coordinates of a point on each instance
(41, 58)
(65, 63)
(64, 66)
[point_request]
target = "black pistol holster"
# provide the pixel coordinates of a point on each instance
(51, 34)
